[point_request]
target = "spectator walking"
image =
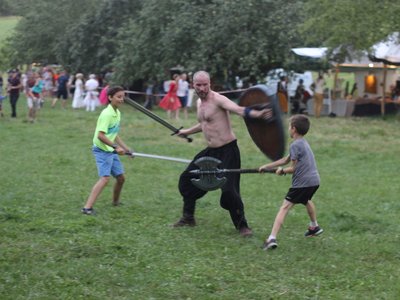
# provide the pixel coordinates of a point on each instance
(13, 88)
(48, 82)
(149, 95)
(62, 89)
(283, 94)
(318, 95)
(92, 95)
(77, 101)
(103, 95)
(1, 95)
(171, 102)
(34, 95)
(183, 93)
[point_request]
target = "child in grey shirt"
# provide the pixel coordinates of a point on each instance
(305, 179)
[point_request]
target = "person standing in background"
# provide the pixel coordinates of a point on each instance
(33, 95)
(183, 93)
(318, 95)
(1, 96)
(92, 95)
(282, 94)
(77, 101)
(171, 102)
(62, 89)
(14, 87)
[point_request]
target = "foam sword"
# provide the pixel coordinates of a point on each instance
(157, 118)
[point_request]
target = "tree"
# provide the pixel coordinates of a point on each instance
(41, 28)
(91, 43)
(5, 8)
(353, 25)
(144, 39)
(224, 37)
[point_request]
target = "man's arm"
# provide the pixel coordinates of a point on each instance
(194, 129)
(245, 112)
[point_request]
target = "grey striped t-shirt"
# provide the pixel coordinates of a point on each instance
(305, 173)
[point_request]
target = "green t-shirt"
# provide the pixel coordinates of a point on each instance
(109, 123)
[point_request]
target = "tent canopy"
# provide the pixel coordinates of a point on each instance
(387, 51)
(311, 52)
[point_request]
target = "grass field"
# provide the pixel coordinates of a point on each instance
(7, 24)
(48, 250)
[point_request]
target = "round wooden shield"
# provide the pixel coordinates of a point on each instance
(268, 135)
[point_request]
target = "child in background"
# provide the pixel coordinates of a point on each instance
(170, 102)
(305, 179)
(34, 96)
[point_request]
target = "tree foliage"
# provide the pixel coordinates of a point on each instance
(144, 39)
(5, 8)
(42, 28)
(352, 25)
(241, 37)
(91, 43)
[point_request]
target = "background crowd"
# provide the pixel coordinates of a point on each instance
(55, 85)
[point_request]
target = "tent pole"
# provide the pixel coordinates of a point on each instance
(383, 91)
(335, 79)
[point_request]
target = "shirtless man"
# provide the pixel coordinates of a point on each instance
(214, 121)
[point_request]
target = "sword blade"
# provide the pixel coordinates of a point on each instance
(156, 118)
(145, 155)
(224, 171)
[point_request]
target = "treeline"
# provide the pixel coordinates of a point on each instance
(142, 39)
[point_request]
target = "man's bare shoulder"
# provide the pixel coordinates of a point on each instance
(219, 98)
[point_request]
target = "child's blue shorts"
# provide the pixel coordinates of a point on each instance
(108, 163)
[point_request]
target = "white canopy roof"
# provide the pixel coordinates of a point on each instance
(388, 50)
(310, 52)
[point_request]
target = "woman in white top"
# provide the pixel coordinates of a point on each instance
(92, 95)
(77, 102)
(183, 93)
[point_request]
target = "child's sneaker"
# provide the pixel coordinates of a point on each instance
(313, 231)
(271, 244)
(88, 211)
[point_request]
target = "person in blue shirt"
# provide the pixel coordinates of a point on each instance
(62, 89)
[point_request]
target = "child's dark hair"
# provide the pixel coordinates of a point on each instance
(111, 91)
(301, 123)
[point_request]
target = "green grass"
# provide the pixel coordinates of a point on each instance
(48, 250)
(7, 24)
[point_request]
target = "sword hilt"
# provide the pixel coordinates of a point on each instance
(182, 135)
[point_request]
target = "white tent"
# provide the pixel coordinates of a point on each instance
(381, 63)
(387, 51)
(311, 52)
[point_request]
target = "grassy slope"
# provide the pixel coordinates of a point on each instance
(50, 251)
(7, 24)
